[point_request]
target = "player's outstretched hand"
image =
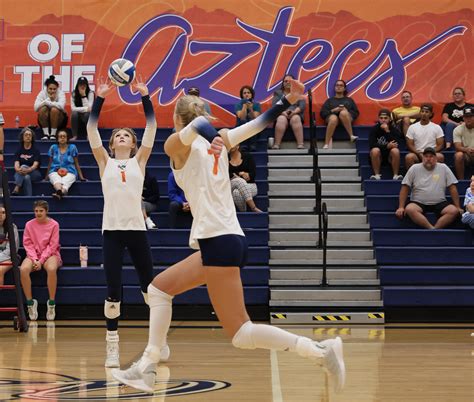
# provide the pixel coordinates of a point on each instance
(140, 86)
(105, 88)
(296, 91)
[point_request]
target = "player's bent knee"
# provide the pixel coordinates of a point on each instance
(156, 297)
(243, 338)
(112, 309)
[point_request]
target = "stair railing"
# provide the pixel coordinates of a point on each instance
(324, 213)
(316, 176)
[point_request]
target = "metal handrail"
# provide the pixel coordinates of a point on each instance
(22, 323)
(316, 176)
(324, 213)
(318, 206)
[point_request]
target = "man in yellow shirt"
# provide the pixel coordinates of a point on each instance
(407, 113)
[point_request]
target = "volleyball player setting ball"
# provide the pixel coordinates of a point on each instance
(223, 249)
(122, 174)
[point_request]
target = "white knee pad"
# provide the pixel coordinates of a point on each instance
(243, 338)
(111, 309)
(156, 297)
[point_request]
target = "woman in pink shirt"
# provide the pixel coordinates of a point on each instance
(41, 243)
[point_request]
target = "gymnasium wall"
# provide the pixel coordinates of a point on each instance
(379, 48)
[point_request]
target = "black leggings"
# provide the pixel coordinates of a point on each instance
(115, 242)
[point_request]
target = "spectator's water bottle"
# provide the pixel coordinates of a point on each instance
(83, 256)
(17, 122)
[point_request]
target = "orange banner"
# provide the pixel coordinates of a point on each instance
(379, 49)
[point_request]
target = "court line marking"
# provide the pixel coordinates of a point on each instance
(276, 386)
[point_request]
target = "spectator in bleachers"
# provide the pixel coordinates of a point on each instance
(27, 162)
(246, 110)
(452, 114)
(339, 109)
(196, 92)
(242, 172)
(50, 104)
(178, 203)
(464, 142)
(468, 216)
(384, 139)
(424, 134)
(5, 252)
(41, 243)
(82, 99)
(63, 167)
(428, 182)
(407, 113)
(293, 116)
(150, 199)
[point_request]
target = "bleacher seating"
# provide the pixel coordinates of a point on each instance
(80, 219)
(418, 267)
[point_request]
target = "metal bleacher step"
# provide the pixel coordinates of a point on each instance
(326, 317)
(321, 152)
(325, 303)
(314, 293)
(307, 179)
(310, 238)
(307, 189)
(277, 160)
(323, 163)
(353, 221)
(296, 173)
(315, 254)
(318, 262)
(298, 273)
(300, 205)
(330, 282)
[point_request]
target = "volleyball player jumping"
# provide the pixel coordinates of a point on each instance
(223, 248)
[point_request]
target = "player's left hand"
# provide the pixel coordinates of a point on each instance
(296, 89)
(140, 86)
(217, 145)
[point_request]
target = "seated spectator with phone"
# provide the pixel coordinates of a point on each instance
(245, 110)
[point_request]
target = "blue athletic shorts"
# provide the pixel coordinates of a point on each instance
(224, 251)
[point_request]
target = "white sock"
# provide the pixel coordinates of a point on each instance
(53, 132)
(45, 131)
(251, 336)
(160, 319)
(112, 336)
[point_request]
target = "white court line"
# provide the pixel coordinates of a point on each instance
(276, 387)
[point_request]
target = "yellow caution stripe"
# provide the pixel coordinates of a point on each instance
(376, 334)
(331, 317)
(376, 315)
(331, 331)
(279, 316)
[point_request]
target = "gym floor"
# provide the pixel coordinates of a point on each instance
(63, 361)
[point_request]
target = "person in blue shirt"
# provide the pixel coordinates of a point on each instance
(178, 202)
(246, 110)
(63, 167)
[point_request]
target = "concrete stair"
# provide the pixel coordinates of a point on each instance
(295, 259)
